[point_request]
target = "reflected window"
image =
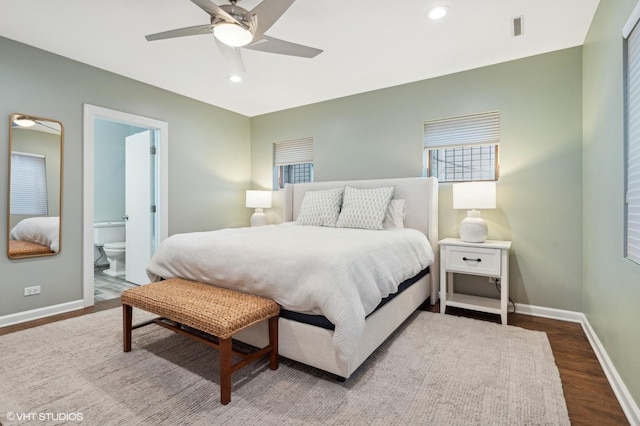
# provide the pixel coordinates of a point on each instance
(28, 184)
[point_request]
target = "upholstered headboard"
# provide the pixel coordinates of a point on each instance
(421, 201)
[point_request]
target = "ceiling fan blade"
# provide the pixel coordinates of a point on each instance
(274, 45)
(268, 12)
(214, 10)
(181, 32)
(232, 55)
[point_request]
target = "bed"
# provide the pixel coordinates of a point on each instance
(344, 293)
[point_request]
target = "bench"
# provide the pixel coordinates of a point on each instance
(201, 310)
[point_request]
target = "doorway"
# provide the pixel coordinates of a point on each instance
(157, 187)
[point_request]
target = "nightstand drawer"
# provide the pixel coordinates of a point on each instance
(473, 260)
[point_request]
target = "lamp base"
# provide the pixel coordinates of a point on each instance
(473, 229)
(258, 218)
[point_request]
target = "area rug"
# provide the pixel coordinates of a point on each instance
(435, 370)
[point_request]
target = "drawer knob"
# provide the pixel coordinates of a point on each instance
(472, 260)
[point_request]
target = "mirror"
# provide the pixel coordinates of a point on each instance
(35, 192)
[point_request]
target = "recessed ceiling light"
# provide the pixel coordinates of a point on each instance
(437, 12)
(235, 78)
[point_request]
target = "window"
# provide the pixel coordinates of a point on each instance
(293, 162)
(632, 136)
(28, 184)
(462, 149)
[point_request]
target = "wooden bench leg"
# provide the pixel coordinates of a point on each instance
(273, 341)
(225, 370)
(126, 327)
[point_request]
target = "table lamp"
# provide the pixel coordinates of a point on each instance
(472, 196)
(258, 200)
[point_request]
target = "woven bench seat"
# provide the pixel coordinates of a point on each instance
(184, 305)
(20, 248)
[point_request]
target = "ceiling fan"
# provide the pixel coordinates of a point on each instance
(234, 27)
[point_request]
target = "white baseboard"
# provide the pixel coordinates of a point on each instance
(625, 399)
(541, 311)
(629, 406)
(40, 313)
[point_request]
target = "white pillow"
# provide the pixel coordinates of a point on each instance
(364, 208)
(320, 208)
(394, 218)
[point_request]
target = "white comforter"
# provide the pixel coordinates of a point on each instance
(40, 230)
(339, 273)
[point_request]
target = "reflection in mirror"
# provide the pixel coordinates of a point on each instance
(35, 176)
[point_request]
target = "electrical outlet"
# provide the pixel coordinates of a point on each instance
(30, 291)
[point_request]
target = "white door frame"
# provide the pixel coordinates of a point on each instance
(91, 112)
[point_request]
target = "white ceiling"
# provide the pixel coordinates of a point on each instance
(368, 44)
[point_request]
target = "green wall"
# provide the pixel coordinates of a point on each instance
(209, 166)
(379, 134)
(611, 283)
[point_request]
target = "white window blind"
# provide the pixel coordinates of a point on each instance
(476, 129)
(632, 136)
(296, 151)
(28, 184)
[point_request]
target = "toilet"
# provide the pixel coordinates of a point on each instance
(110, 238)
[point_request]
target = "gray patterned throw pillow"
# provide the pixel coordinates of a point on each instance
(320, 208)
(364, 208)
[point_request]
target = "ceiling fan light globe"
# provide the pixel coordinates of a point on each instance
(24, 121)
(232, 34)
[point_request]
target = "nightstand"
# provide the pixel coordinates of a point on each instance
(488, 259)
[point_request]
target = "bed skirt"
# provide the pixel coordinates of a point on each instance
(314, 346)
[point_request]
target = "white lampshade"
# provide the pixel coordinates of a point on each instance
(474, 195)
(231, 34)
(258, 199)
(470, 196)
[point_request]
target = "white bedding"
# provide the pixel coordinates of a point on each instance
(339, 273)
(40, 230)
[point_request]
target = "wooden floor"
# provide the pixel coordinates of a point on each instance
(589, 397)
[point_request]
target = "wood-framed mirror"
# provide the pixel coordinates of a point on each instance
(35, 186)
